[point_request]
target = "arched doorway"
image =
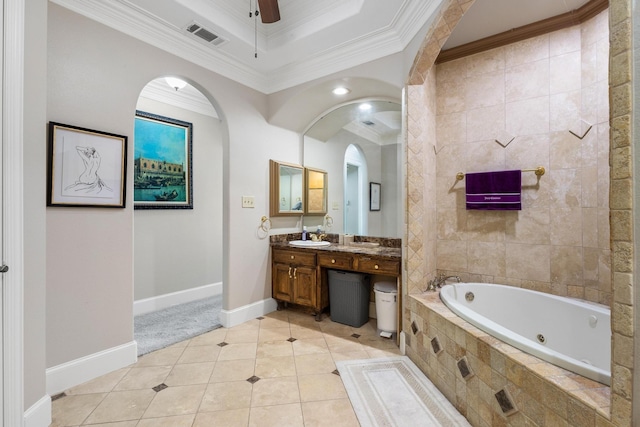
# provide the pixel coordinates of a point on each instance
(178, 249)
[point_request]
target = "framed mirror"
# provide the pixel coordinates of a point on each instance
(358, 143)
(286, 182)
(316, 187)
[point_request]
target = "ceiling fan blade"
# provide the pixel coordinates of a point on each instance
(269, 11)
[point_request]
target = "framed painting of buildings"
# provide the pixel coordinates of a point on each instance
(162, 165)
(86, 168)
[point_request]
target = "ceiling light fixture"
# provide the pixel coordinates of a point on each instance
(175, 83)
(365, 107)
(341, 90)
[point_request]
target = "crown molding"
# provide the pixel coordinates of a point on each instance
(333, 60)
(369, 47)
(303, 21)
(558, 22)
(156, 32)
(135, 22)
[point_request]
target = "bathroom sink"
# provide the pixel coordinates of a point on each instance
(308, 243)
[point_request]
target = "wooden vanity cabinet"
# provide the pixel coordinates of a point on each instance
(295, 279)
(335, 260)
(300, 276)
(374, 265)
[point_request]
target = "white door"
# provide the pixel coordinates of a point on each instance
(2, 266)
(11, 202)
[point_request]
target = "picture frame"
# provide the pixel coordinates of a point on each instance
(163, 164)
(85, 167)
(374, 196)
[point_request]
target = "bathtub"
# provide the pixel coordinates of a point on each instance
(568, 333)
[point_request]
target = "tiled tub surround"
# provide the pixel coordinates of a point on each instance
(536, 92)
(492, 383)
(567, 332)
(518, 107)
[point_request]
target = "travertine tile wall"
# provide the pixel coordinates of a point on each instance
(621, 174)
(421, 142)
(622, 213)
(529, 96)
(421, 186)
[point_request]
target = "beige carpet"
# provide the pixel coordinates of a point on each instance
(394, 392)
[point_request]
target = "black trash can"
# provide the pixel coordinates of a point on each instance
(349, 297)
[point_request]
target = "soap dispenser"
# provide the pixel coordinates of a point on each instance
(304, 232)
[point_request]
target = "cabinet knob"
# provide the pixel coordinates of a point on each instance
(376, 266)
(333, 261)
(293, 257)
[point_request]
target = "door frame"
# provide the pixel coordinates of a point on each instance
(12, 210)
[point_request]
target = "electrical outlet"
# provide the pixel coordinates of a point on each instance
(248, 202)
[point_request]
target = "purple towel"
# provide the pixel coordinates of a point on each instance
(494, 190)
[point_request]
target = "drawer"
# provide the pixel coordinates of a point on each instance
(378, 266)
(335, 261)
(294, 257)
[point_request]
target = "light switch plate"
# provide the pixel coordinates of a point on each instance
(248, 202)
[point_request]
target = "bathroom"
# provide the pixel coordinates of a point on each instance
(66, 98)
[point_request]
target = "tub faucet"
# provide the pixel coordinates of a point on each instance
(441, 280)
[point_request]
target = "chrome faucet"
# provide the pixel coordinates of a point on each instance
(440, 281)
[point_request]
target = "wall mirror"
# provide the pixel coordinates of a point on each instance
(316, 186)
(286, 182)
(356, 144)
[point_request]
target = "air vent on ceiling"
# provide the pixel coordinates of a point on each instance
(204, 35)
(368, 123)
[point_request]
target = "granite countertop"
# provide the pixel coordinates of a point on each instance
(380, 251)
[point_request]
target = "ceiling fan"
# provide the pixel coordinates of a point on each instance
(269, 11)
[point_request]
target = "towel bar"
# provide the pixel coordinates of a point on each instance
(539, 171)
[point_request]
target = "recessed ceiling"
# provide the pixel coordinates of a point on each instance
(314, 38)
(489, 17)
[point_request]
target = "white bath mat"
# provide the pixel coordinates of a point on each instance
(393, 392)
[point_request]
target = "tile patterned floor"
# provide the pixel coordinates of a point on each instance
(278, 370)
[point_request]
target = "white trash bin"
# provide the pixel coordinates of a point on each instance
(386, 306)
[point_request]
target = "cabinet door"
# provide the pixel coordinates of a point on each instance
(304, 286)
(282, 279)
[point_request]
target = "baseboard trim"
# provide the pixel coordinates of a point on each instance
(76, 372)
(229, 318)
(147, 305)
(39, 414)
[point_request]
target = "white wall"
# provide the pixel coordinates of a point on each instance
(34, 200)
(95, 76)
(180, 249)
